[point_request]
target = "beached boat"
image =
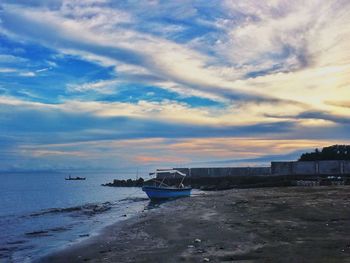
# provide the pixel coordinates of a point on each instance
(75, 178)
(160, 190)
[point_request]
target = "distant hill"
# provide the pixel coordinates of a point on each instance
(334, 152)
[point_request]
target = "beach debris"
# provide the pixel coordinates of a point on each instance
(197, 240)
(206, 259)
(190, 246)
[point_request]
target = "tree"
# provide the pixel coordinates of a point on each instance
(334, 152)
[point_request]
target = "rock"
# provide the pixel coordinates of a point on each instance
(206, 259)
(197, 240)
(126, 183)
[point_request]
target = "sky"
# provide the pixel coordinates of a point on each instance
(108, 85)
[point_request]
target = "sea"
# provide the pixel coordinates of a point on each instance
(42, 212)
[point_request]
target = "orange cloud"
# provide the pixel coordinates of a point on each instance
(144, 159)
(243, 147)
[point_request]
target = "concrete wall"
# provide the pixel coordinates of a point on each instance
(313, 167)
(281, 168)
(346, 167)
(329, 167)
(277, 168)
(304, 167)
(225, 171)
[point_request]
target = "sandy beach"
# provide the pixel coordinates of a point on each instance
(294, 224)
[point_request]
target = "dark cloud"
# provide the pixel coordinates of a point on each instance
(318, 115)
(300, 58)
(344, 104)
(324, 116)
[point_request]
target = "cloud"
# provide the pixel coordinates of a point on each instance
(264, 71)
(161, 152)
(100, 119)
(7, 59)
(325, 116)
(42, 70)
(166, 60)
(7, 70)
(104, 86)
(27, 74)
(317, 115)
(142, 159)
(341, 103)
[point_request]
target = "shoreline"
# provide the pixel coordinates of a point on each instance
(96, 233)
(38, 233)
(292, 224)
(102, 238)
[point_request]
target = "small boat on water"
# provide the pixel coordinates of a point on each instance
(161, 190)
(75, 178)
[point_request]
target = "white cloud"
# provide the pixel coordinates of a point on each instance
(7, 70)
(12, 59)
(103, 87)
(42, 70)
(27, 74)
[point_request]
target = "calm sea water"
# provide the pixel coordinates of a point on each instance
(40, 213)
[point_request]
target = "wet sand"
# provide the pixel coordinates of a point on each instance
(295, 224)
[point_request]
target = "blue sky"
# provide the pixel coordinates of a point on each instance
(122, 84)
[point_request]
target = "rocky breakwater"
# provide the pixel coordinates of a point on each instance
(229, 182)
(211, 183)
(126, 183)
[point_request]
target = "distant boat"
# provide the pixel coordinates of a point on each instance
(164, 191)
(75, 178)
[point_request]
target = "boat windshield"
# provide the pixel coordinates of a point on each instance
(169, 171)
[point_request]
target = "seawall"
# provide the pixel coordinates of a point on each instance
(215, 172)
(333, 167)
